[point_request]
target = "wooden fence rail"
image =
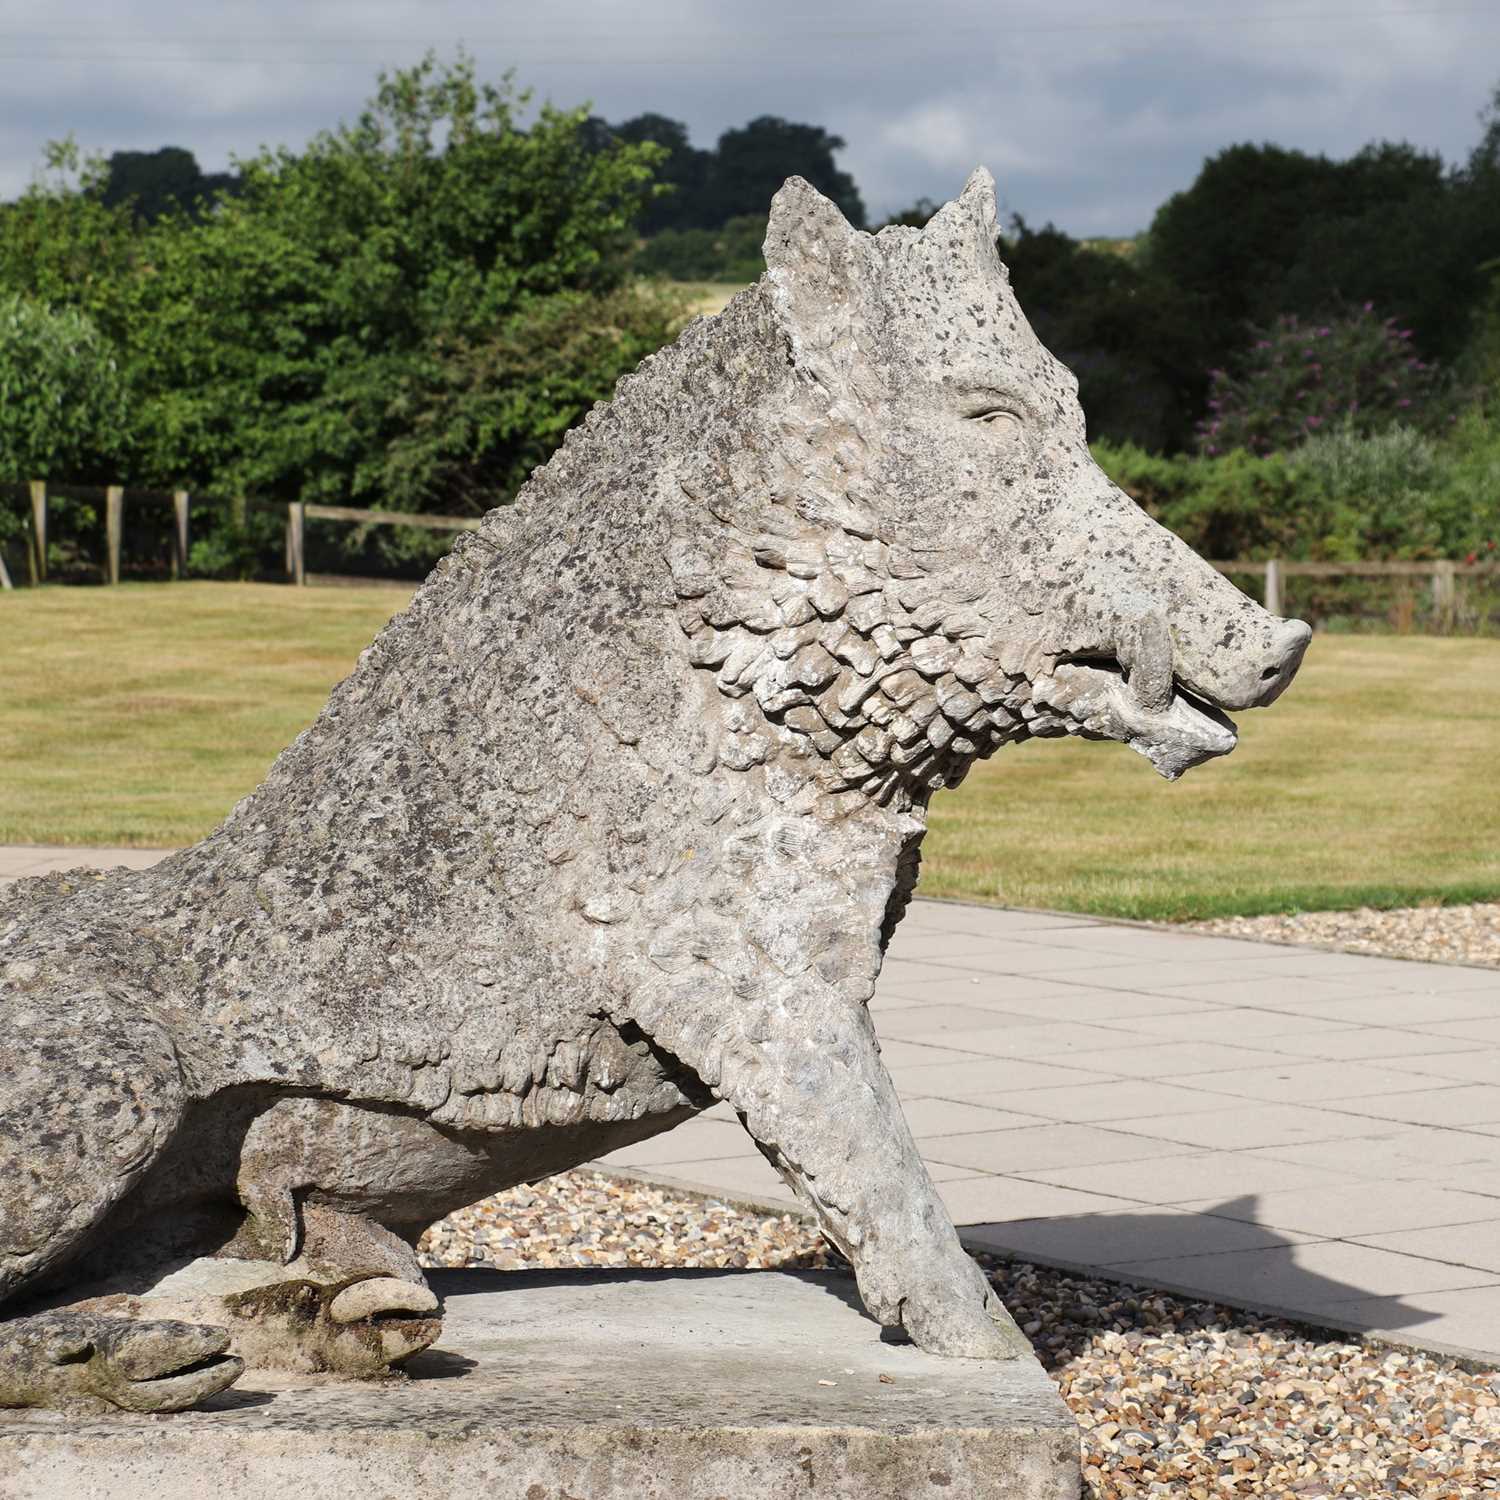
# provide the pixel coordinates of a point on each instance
(1444, 574)
(298, 514)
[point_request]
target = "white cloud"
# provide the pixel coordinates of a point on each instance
(1088, 115)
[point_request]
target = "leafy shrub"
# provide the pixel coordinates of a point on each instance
(1356, 370)
(236, 542)
(1339, 497)
(1481, 360)
(479, 414)
(1375, 496)
(1235, 505)
(1471, 487)
(62, 402)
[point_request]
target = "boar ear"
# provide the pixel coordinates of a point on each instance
(978, 198)
(970, 222)
(812, 254)
(803, 226)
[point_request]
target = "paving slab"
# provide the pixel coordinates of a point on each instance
(43, 859)
(1474, 1244)
(1128, 1234)
(1062, 1068)
(1392, 1155)
(596, 1385)
(1350, 1210)
(1482, 1066)
(1220, 1176)
(1117, 1099)
(1300, 1082)
(1240, 1124)
(1288, 1275)
(1462, 1321)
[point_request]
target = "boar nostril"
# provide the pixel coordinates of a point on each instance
(1269, 673)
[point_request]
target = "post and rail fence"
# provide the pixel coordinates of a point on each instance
(298, 513)
(1444, 575)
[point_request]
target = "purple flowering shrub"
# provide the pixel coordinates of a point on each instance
(1357, 372)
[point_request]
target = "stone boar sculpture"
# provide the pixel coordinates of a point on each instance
(615, 821)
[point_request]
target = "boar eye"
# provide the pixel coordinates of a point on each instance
(999, 418)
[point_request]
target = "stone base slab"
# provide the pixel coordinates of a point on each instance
(683, 1385)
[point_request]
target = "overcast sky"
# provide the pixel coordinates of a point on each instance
(1089, 113)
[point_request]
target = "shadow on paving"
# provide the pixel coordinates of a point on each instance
(1121, 1270)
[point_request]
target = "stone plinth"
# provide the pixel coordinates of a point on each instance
(585, 1385)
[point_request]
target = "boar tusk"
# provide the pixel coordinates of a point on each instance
(1144, 651)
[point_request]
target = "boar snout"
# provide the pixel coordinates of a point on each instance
(1177, 616)
(1249, 665)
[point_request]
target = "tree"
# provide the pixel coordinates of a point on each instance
(683, 173)
(730, 253)
(915, 217)
(1134, 340)
(752, 162)
(61, 244)
(476, 414)
(1485, 157)
(62, 400)
(153, 184)
(1264, 232)
(1230, 237)
(282, 345)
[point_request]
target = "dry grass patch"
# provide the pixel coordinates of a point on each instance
(706, 298)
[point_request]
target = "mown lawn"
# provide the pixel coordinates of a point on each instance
(138, 715)
(1374, 780)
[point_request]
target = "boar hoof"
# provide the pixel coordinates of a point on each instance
(965, 1327)
(85, 1363)
(361, 1329)
(381, 1296)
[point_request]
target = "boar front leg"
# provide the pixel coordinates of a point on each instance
(810, 1088)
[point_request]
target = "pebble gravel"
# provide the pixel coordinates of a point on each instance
(1174, 1397)
(1442, 934)
(588, 1219)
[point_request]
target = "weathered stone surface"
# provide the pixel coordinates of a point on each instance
(613, 822)
(597, 1386)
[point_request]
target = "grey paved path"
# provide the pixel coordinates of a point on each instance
(1276, 1127)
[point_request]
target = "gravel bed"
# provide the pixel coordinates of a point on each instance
(1445, 934)
(1174, 1397)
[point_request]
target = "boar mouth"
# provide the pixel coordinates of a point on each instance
(1174, 729)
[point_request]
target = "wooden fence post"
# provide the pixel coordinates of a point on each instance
(296, 516)
(1273, 585)
(179, 533)
(39, 528)
(114, 527)
(1444, 594)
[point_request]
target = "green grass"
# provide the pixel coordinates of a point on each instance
(139, 715)
(1372, 782)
